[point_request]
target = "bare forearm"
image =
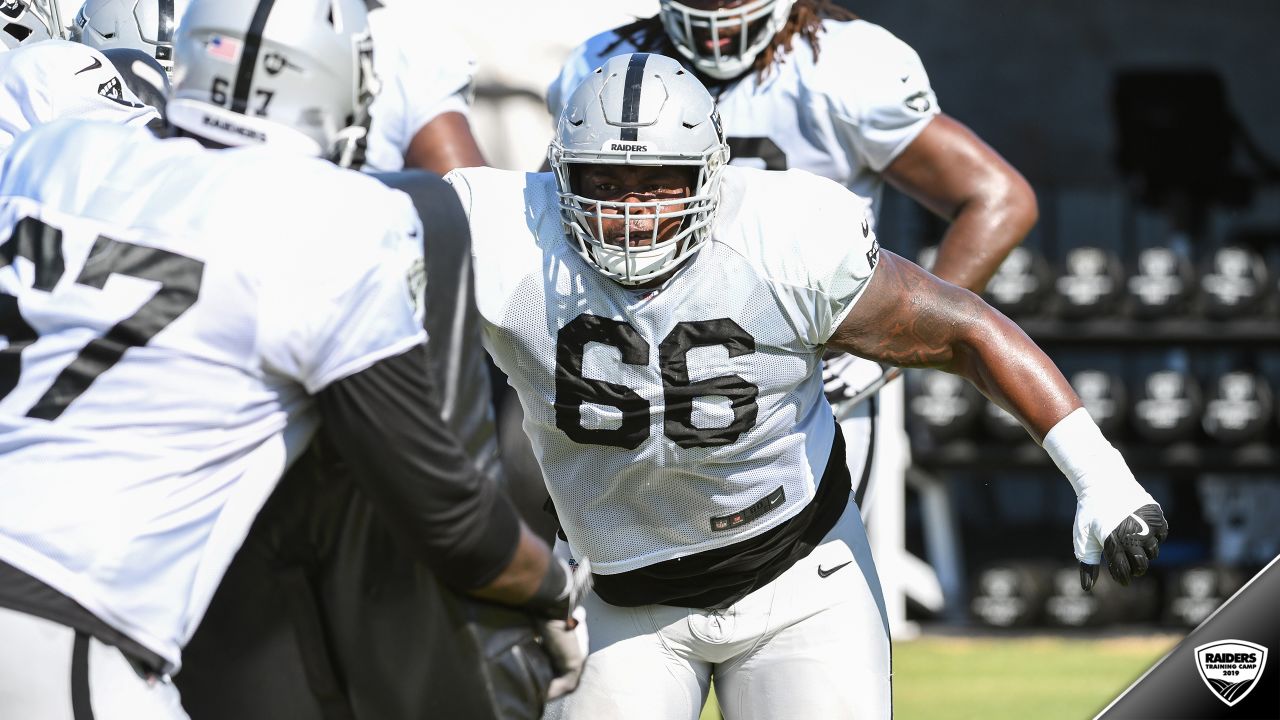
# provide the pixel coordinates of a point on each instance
(517, 582)
(1014, 373)
(990, 206)
(982, 234)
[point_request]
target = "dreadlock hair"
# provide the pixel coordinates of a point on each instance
(805, 20)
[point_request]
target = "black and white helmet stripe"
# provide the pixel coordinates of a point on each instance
(634, 85)
(166, 23)
(249, 56)
(295, 74)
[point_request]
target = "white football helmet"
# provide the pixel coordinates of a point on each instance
(724, 43)
(146, 25)
(295, 74)
(639, 109)
(28, 21)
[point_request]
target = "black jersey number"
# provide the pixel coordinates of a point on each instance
(572, 389)
(760, 148)
(179, 278)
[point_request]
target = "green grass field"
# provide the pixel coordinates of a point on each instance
(986, 678)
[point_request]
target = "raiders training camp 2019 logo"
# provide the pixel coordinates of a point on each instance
(1230, 668)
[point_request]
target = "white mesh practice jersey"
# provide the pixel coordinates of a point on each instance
(166, 312)
(423, 72)
(56, 79)
(676, 420)
(844, 117)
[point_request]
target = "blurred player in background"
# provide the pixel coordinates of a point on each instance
(145, 25)
(175, 326)
(663, 318)
(420, 115)
(137, 36)
(805, 84)
(26, 22)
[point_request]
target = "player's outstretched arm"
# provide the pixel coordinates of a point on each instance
(386, 424)
(909, 318)
(991, 207)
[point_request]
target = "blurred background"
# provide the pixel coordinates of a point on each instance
(1150, 131)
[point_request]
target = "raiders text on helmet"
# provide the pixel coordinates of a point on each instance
(294, 74)
(724, 43)
(639, 109)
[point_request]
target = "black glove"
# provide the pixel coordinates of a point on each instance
(1131, 547)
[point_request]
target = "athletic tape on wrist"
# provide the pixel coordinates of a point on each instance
(1082, 453)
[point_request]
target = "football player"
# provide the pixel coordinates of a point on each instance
(663, 317)
(144, 25)
(420, 117)
(26, 22)
(176, 321)
(56, 80)
(805, 84)
(137, 36)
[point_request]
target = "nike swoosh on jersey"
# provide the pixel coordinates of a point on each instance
(96, 64)
(828, 573)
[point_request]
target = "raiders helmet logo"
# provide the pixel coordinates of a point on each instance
(113, 90)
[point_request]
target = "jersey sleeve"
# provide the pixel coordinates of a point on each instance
(422, 77)
(879, 93)
(824, 269)
(438, 76)
(351, 297)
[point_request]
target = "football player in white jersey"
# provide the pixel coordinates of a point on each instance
(805, 84)
(175, 321)
(137, 36)
(421, 114)
(145, 25)
(56, 80)
(26, 22)
(663, 317)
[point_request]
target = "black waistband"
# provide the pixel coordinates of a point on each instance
(725, 575)
(23, 593)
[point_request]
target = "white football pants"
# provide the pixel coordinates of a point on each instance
(804, 646)
(51, 672)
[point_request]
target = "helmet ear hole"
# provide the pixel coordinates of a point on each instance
(17, 32)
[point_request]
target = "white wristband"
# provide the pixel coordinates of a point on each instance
(1080, 451)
